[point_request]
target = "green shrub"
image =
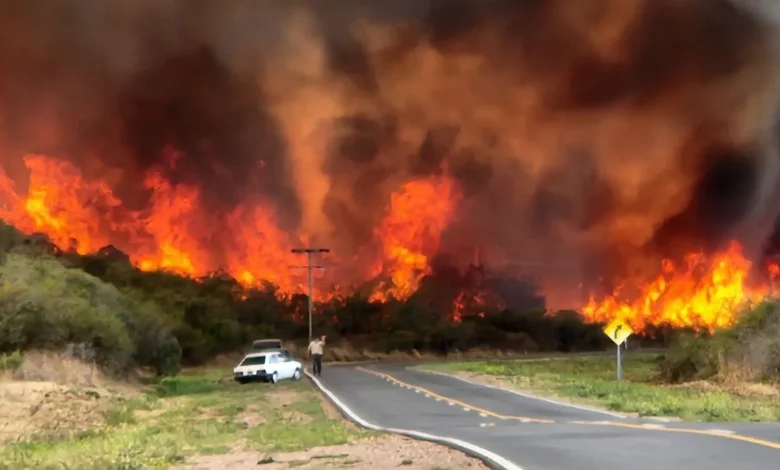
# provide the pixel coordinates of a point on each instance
(749, 349)
(11, 361)
(167, 359)
(178, 386)
(47, 306)
(105, 305)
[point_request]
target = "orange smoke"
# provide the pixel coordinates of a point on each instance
(701, 293)
(411, 232)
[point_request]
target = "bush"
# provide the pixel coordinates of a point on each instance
(44, 305)
(748, 350)
(167, 360)
(692, 357)
(11, 361)
(128, 317)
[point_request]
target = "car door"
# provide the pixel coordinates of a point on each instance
(289, 362)
(274, 366)
(280, 366)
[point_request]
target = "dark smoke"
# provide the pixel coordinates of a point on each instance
(582, 133)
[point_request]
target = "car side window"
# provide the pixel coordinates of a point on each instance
(273, 359)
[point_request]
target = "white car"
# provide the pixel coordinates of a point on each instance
(267, 366)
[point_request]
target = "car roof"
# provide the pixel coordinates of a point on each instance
(258, 354)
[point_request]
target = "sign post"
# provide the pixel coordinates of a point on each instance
(618, 331)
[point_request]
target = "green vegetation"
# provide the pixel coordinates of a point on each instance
(592, 381)
(197, 412)
(10, 361)
(45, 304)
(732, 374)
(748, 351)
(100, 308)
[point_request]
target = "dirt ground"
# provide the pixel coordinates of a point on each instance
(50, 396)
(380, 453)
(53, 395)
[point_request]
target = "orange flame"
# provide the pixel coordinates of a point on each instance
(472, 305)
(176, 233)
(169, 234)
(700, 294)
(411, 232)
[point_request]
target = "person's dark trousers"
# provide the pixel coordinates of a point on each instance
(317, 358)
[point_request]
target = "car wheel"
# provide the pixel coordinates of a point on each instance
(274, 378)
(297, 374)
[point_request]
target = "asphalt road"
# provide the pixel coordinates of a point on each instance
(521, 432)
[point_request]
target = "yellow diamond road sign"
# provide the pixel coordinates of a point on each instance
(618, 331)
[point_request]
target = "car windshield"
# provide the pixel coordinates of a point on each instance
(253, 361)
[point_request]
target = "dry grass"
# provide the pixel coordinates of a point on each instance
(345, 352)
(53, 397)
(88, 426)
(79, 418)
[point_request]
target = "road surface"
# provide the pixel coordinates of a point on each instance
(519, 432)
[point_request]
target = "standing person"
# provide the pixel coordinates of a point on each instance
(315, 353)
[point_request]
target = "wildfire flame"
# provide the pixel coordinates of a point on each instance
(701, 293)
(411, 233)
(85, 215)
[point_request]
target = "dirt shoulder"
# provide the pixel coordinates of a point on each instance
(199, 420)
(382, 452)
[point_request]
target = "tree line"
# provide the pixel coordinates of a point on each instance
(120, 317)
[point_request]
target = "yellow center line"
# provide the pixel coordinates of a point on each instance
(645, 427)
(457, 402)
(702, 432)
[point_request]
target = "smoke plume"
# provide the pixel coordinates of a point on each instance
(587, 138)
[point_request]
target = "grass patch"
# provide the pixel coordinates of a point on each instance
(299, 426)
(196, 413)
(10, 361)
(592, 381)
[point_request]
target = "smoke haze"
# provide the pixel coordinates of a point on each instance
(590, 137)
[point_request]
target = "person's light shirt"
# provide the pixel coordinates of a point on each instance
(315, 347)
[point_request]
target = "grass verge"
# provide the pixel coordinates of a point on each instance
(592, 381)
(195, 413)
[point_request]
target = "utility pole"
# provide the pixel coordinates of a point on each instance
(310, 269)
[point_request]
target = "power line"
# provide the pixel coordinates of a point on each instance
(310, 269)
